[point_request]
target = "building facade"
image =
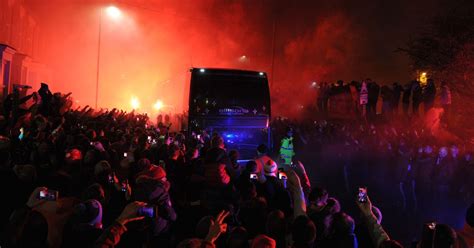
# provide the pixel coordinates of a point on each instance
(19, 48)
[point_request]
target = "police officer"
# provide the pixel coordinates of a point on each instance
(286, 149)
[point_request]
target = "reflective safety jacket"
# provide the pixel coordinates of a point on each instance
(286, 150)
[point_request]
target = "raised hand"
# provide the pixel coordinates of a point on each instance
(365, 207)
(293, 180)
(217, 227)
(129, 213)
(33, 200)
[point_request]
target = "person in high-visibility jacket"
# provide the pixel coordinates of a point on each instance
(286, 149)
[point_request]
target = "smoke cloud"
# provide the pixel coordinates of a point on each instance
(146, 54)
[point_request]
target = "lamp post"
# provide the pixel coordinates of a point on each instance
(98, 61)
(112, 12)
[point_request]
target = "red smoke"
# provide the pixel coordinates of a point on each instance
(326, 52)
(148, 52)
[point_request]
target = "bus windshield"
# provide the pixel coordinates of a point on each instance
(230, 94)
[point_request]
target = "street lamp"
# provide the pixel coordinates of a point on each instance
(243, 59)
(113, 13)
(158, 105)
(423, 78)
(135, 103)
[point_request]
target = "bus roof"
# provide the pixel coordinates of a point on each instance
(224, 71)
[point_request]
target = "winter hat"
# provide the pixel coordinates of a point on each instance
(94, 192)
(143, 164)
(102, 166)
(90, 213)
(154, 172)
(270, 168)
(263, 241)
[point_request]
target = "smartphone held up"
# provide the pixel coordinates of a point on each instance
(124, 187)
(147, 211)
(48, 195)
(362, 195)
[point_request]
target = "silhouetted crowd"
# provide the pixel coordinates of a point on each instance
(85, 178)
(408, 98)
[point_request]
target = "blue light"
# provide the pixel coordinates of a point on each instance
(231, 136)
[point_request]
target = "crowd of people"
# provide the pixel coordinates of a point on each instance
(85, 178)
(396, 154)
(366, 95)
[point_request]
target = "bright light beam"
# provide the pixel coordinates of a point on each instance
(135, 103)
(158, 105)
(113, 12)
(243, 59)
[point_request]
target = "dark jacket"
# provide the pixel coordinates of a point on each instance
(216, 166)
(155, 192)
(425, 166)
(346, 241)
(277, 196)
(443, 171)
(430, 93)
(406, 94)
(80, 236)
(374, 90)
(417, 93)
(397, 93)
(217, 155)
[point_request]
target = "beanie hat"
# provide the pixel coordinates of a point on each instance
(154, 172)
(94, 192)
(90, 213)
(143, 164)
(263, 241)
(270, 168)
(102, 166)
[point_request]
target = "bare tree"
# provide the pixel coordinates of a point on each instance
(445, 48)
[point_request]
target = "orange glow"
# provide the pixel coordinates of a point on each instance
(423, 78)
(158, 105)
(135, 103)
